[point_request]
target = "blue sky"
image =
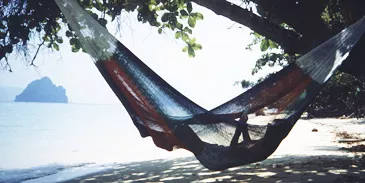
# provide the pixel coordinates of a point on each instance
(207, 79)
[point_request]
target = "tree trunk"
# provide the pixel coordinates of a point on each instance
(304, 17)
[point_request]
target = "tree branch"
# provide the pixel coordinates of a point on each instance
(300, 15)
(36, 53)
(7, 64)
(287, 39)
(350, 140)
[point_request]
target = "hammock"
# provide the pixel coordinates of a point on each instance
(174, 121)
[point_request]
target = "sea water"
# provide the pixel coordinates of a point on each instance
(38, 139)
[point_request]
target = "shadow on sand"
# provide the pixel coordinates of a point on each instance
(286, 169)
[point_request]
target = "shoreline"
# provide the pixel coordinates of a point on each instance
(305, 155)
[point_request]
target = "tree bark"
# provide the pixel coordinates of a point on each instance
(287, 39)
(304, 18)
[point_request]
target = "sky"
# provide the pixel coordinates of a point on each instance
(208, 79)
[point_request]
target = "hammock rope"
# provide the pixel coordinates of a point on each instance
(174, 121)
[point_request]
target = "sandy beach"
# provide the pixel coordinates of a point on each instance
(311, 153)
(289, 169)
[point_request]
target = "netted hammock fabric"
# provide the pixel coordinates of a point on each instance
(174, 121)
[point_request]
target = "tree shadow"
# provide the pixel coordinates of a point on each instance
(285, 169)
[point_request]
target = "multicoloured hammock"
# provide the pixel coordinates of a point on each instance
(174, 121)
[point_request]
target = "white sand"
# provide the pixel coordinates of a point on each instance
(302, 141)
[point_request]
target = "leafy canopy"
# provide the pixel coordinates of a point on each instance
(23, 20)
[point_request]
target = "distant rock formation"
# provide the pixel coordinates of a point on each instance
(42, 90)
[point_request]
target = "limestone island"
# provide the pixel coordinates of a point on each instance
(42, 90)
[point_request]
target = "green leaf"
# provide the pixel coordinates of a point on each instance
(162, 7)
(189, 7)
(264, 45)
(157, 8)
(185, 49)
(273, 44)
(98, 5)
(167, 25)
(165, 17)
(172, 20)
(192, 41)
(151, 7)
(191, 52)
(72, 41)
(191, 22)
(58, 27)
(74, 49)
(157, 24)
(77, 44)
(184, 36)
(87, 4)
(246, 84)
(257, 34)
(46, 38)
(68, 33)
(55, 46)
(178, 34)
(59, 40)
(197, 46)
(188, 30)
(159, 30)
(197, 16)
(184, 13)
(179, 25)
